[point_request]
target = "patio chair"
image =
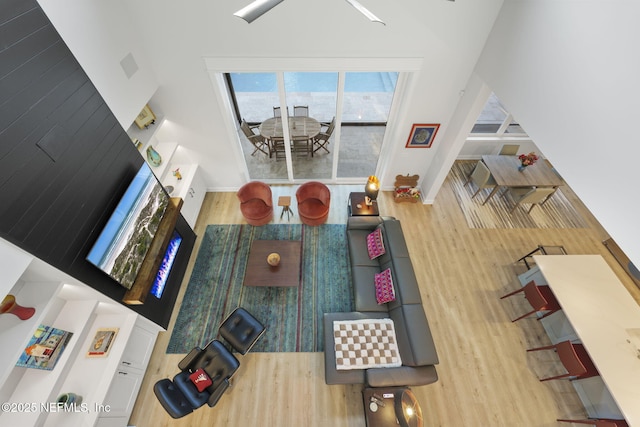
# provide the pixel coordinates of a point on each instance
(277, 113)
(259, 142)
(301, 111)
(321, 140)
(302, 146)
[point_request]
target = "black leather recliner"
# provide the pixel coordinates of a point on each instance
(181, 396)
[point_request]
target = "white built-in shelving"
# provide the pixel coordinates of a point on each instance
(64, 303)
(191, 187)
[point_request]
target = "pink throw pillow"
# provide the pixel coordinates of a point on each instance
(375, 246)
(384, 287)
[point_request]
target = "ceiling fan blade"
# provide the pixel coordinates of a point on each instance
(365, 11)
(255, 10)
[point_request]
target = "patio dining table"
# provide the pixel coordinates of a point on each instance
(298, 127)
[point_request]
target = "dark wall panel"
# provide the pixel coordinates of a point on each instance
(65, 161)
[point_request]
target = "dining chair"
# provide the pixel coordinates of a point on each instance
(277, 113)
(302, 145)
(598, 422)
(482, 178)
(321, 140)
(325, 125)
(276, 145)
(540, 298)
(259, 142)
(509, 150)
(301, 111)
(531, 195)
(543, 250)
(574, 358)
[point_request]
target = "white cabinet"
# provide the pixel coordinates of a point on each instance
(65, 303)
(191, 189)
(138, 351)
(125, 385)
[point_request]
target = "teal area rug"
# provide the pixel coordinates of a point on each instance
(292, 316)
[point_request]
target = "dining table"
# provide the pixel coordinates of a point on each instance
(606, 319)
(506, 172)
(299, 126)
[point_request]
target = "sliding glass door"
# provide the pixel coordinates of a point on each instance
(254, 97)
(319, 125)
(366, 105)
(311, 99)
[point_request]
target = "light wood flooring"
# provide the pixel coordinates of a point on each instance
(486, 378)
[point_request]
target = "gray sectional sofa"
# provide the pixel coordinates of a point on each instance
(416, 347)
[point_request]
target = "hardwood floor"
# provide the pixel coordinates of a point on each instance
(486, 377)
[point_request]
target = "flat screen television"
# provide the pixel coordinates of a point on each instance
(125, 240)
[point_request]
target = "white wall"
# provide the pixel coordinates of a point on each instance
(101, 34)
(176, 36)
(568, 71)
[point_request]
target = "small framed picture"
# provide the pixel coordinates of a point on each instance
(145, 118)
(422, 135)
(102, 342)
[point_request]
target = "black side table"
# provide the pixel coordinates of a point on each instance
(382, 410)
(357, 206)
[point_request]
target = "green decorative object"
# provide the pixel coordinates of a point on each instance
(153, 156)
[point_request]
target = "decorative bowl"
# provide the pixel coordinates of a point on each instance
(273, 259)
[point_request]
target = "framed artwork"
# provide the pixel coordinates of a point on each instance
(44, 348)
(145, 118)
(101, 342)
(422, 135)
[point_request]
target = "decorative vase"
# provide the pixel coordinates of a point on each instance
(69, 399)
(9, 305)
(273, 259)
(521, 168)
(153, 156)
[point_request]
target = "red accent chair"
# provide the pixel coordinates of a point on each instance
(313, 202)
(255, 203)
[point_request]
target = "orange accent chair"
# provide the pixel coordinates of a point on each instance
(574, 358)
(541, 298)
(255, 203)
(313, 202)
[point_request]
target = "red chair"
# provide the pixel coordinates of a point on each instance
(314, 199)
(540, 297)
(255, 202)
(598, 422)
(575, 359)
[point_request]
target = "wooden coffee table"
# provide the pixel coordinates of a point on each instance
(287, 273)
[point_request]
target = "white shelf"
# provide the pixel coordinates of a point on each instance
(13, 264)
(16, 333)
(91, 377)
(39, 386)
(181, 187)
(166, 150)
(64, 303)
(145, 135)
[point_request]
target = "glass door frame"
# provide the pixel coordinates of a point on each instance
(407, 67)
(336, 140)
